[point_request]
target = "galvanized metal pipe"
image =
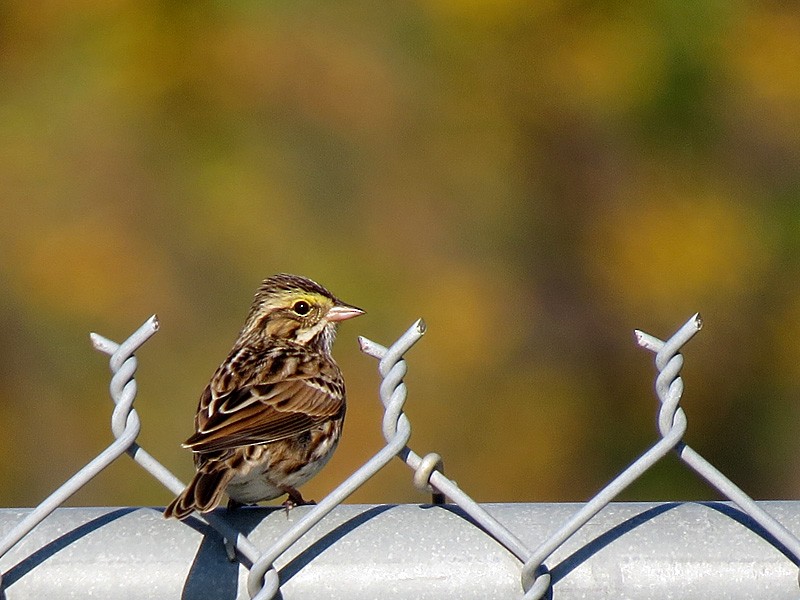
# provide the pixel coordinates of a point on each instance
(629, 550)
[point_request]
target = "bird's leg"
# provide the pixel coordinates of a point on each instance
(295, 499)
(230, 547)
(233, 504)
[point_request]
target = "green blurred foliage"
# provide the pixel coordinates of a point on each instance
(536, 180)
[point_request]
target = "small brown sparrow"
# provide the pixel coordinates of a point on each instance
(272, 414)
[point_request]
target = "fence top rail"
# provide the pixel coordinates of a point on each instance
(674, 549)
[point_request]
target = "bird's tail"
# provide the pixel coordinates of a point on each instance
(203, 494)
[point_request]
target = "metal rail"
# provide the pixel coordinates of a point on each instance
(631, 550)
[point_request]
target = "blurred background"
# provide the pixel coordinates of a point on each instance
(536, 180)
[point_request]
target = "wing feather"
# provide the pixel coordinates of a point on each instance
(289, 394)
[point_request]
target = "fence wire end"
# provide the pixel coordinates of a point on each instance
(647, 341)
(102, 344)
(421, 326)
(683, 335)
(370, 348)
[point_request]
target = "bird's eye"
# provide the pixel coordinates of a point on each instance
(301, 307)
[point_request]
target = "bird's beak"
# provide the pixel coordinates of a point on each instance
(342, 312)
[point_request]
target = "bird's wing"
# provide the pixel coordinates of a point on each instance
(244, 406)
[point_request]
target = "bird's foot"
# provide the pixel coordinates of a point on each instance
(295, 499)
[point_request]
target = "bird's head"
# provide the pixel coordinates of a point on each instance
(295, 308)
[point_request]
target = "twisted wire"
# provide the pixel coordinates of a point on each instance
(125, 424)
(672, 425)
(263, 581)
(668, 386)
(427, 470)
(125, 421)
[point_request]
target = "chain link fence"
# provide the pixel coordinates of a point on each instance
(453, 547)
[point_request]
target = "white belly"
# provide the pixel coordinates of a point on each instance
(266, 484)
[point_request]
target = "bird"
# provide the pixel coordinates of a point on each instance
(272, 414)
